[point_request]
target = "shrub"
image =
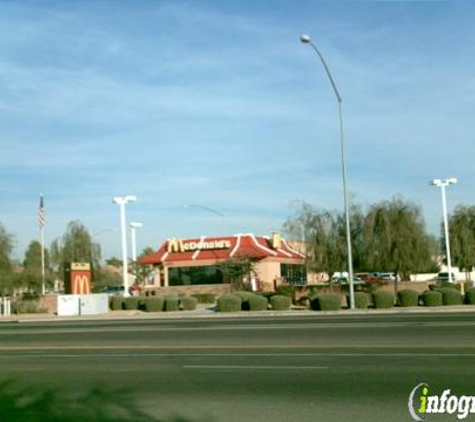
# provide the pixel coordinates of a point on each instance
(172, 303)
(454, 286)
(451, 296)
(408, 298)
(116, 303)
(258, 303)
(153, 304)
(245, 298)
(229, 303)
(27, 307)
(361, 300)
(280, 302)
(326, 303)
(205, 297)
(286, 291)
(470, 296)
(188, 303)
(383, 299)
(131, 303)
(432, 298)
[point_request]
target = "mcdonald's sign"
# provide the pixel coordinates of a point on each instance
(178, 245)
(175, 245)
(78, 278)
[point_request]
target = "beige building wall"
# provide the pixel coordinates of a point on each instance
(266, 272)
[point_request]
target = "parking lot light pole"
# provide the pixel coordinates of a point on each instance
(442, 183)
(306, 40)
(133, 228)
(121, 202)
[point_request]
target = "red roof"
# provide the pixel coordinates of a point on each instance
(220, 248)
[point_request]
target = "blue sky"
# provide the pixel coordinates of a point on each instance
(217, 103)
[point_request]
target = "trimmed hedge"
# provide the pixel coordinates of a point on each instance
(454, 286)
(245, 297)
(258, 303)
(205, 297)
(188, 303)
(326, 303)
(361, 300)
(470, 296)
(432, 298)
(229, 303)
(131, 303)
(153, 304)
(280, 302)
(116, 303)
(451, 296)
(383, 299)
(27, 307)
(408, 298)
(286, 291)
(172, 303)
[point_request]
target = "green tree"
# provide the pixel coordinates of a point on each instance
(462, 238)
(32, 261)
(32, 271)
(75, 245)
(396, 239)
(103, 277)
(234, 270)
(6, 249)
(114, 262)
(142, 272)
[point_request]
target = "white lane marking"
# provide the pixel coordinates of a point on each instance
(251, 367)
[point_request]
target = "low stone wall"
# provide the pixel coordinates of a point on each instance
(49, 302)
(216, 289)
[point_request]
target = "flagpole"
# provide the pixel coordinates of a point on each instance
(43, 290)
(42, 237)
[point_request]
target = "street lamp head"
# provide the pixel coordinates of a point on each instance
(122, 200)
(305, 39)
(435, 182)
(130, 198)
(135, 225)
(452, 181)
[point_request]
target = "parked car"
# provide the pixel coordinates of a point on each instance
(115, 289)
(444, 277)
(372, 278)
(387, 276)
(356, 281)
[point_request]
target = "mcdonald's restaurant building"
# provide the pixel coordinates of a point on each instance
(194, 263)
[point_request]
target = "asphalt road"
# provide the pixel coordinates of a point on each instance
(301, 368)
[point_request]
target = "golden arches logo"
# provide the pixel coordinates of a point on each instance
(81, 285)
(175, 245)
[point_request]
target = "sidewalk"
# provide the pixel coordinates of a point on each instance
(208, 312)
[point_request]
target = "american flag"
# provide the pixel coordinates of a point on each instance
(42, 213)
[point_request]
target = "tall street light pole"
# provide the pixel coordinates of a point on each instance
(306, 40)
(442, 183)
(133, 228)
(121, 202)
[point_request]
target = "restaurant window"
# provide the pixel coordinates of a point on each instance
(294, 274)
(192, 276)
